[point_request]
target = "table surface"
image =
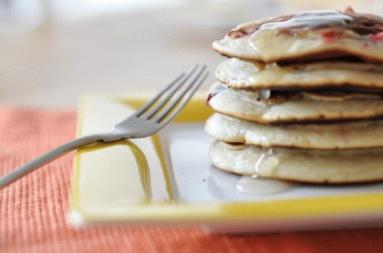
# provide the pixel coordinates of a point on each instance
(51, 66)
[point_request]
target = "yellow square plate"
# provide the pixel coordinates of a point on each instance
(167, 179)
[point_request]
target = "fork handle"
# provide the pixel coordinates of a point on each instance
(49, 156)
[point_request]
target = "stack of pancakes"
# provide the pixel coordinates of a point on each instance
(301, 98)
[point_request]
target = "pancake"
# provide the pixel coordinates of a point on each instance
(310, 166)
(241, 74)
(340, 135)
(312, 34)
(294, 106)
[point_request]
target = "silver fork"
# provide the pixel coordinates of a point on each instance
(148, 120)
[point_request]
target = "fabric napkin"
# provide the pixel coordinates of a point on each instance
(33, 210)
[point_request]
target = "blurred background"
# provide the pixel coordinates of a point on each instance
(52, 51)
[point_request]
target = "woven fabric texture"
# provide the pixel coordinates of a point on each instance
(33, 210)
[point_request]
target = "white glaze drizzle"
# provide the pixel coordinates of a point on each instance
(310, 19)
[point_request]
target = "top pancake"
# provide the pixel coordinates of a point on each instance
(308, 35)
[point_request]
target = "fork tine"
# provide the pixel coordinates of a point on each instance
(153, 100)
(193, 86)
(174, 112)
(171, 94)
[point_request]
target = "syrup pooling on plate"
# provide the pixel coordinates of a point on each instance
(261, 186)
(309, 19)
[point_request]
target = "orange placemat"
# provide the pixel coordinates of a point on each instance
(33, 210)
